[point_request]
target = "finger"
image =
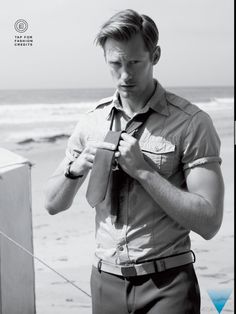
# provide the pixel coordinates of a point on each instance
(123, 150)
(103, 145)
(89, 165)
(124, 143)
(89, 158)
(117, 154)
(128, 138)
(90, 150)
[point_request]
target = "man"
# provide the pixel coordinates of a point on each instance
(171, 180)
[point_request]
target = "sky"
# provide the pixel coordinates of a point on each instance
(196, 38)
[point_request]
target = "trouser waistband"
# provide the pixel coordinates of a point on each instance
(145, 268)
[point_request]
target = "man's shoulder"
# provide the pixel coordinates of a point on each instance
(106, 100)
(102, 103)
(182, 104)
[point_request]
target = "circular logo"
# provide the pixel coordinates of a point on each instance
(21, 26)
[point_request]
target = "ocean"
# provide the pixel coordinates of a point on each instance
(37, 116)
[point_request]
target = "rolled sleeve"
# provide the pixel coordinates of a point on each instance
(201, 143)
(75, 143)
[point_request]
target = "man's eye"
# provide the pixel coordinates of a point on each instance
(115, 63)
(134, 62)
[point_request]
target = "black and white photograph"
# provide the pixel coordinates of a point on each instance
(117, 157)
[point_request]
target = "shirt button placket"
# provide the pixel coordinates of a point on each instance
(122, 253)
(120, 248)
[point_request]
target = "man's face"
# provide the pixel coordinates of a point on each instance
(131, 66)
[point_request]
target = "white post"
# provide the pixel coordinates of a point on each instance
(17, 279)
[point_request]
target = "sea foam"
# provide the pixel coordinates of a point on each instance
(38, 123)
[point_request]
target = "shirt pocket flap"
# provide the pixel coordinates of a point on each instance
(160, 153)
(157, 146)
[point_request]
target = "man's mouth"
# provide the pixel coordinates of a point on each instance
(127, 86)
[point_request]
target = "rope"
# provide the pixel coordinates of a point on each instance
(44, 263)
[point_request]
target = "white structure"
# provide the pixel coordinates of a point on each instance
(17, 283)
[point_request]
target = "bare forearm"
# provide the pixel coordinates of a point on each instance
(200, 209)
(190, 210)
(60, 192)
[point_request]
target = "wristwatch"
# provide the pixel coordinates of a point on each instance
(70, 175)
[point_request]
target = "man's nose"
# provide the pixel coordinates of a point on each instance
(125, 74)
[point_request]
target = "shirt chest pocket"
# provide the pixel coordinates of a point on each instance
(160, 153)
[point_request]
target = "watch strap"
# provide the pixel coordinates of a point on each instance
(70, 175)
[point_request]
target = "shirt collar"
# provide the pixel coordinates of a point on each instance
(157, 102)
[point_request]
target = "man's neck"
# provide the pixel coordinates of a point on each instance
(133, 105)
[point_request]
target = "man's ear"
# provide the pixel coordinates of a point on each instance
(156, 55)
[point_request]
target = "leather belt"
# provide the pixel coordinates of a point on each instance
(145, 268)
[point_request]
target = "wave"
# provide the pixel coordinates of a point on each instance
(39, 123)
(43, 113)
(38, 134)
(43, 139)
(69, 112)
(216, 104)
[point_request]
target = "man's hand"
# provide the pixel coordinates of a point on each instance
(85, 161)
(60, 191)
(131, 157)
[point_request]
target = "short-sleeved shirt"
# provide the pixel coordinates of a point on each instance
(175, 137)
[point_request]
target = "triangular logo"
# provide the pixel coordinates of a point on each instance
(219, 297)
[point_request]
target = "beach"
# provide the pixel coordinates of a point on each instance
(66, 241)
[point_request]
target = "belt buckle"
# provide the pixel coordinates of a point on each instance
(128, 271)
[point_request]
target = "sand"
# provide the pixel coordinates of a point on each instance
(66, 241)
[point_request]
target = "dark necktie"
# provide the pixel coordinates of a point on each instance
(102, 167)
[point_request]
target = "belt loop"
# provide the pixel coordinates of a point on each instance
(163, 265)
(155, 266)
(194, 256)
(99, 266)
(160, 265)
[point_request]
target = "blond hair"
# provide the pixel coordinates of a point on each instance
(127, 23)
